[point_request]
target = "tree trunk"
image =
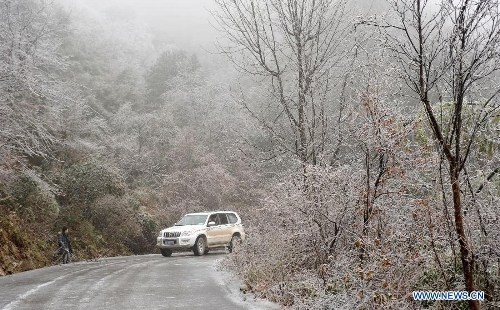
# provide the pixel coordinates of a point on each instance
(466, 256)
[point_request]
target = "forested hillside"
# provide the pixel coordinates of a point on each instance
(359, 143)
(108, 132)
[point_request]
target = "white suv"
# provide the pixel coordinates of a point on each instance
(201, 232)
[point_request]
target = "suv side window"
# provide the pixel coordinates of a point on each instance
(214, 218)
(223, 219)
(232, 218)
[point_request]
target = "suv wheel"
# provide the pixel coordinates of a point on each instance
(199, 246)
(166, 252)
(235, 243)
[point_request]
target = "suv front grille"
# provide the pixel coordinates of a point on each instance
(171, 234)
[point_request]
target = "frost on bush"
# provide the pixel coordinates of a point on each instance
(29, 195)
(310, 247)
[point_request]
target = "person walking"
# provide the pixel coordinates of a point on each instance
(65, 245)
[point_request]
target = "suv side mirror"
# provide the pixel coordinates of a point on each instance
(211, 224)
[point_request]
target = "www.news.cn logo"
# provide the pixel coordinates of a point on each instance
(448, 295)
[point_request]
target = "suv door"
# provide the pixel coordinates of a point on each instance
(214, 232)
(226, 231)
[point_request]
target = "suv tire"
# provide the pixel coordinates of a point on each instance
(199, 246)
(235, 243)
(166, 252)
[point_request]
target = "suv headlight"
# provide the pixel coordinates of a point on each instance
(186, 233)
(160, 234)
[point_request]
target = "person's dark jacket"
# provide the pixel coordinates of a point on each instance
(64, 242)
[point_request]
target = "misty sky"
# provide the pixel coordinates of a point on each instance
(185, 23)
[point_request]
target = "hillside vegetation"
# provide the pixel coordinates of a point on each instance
(359, 143)
(114, 138)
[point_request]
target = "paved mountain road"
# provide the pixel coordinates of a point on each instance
(182, 281)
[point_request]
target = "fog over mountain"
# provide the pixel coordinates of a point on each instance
(186, 24)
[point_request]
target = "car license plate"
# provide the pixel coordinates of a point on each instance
(169, 242)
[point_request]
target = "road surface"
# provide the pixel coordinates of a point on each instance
(182, 281)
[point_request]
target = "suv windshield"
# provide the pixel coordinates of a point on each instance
(192, 219)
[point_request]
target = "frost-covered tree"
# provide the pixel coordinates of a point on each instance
(31, 91)
(169, 68)
(297, 50)
(449, 51)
